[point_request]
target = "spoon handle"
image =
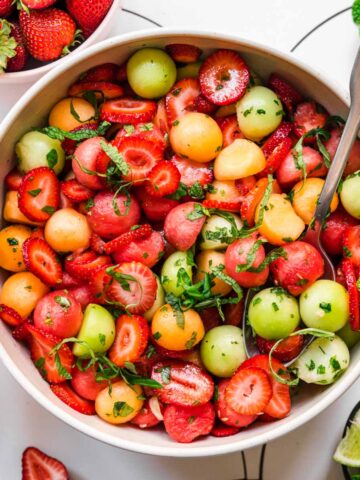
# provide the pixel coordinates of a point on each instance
(348, 137)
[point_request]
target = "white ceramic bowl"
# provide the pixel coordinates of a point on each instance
(36, 70)
(32, 111)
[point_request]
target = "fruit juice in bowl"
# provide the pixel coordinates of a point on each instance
(157, 197)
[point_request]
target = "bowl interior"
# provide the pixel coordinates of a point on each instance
(32, 111)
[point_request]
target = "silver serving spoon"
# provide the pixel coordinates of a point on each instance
(334, 175)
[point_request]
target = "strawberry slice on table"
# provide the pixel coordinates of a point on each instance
(83, 265)
(224, 77)
(10, 316)
(102, 90)
(307, 116)
(249, 391)
(145, 131)
(143, 231)
(41, 260)
(39, 194)
(67, 395)
(134, 286)
(288, 95)
(351, 244)
(183, 53)
(128, 110)
(36, 465)
(225, 413)
(189, 216)
(276, 157)
(230, 129)
(281, 133)
(222, 430)
(350, 278)
(185, 424)
(75, 191)
(193, 172)
(131, 337)
(183, 384)
(163, 179)
(41, 344)
(13, 180)
(286, 351)
(181, 98)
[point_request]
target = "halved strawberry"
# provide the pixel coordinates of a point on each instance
(286, 351)
(244, 185)
(184, 424)
(155, 209)
(230, 129)
(145, 131)
(38, 232)
(279, 405)
(39, 194)
(68, 145)
(348, 270)
(41, 344)
(183, 238)
(117, 243)
(148, 250)
(134, 286)
(184, 384)
(67, 395)
(41, 260)
(106, 72)
(103, 90)
(163, 179)
(160, 119)
(75, 191)
(10, 316)
(128, 110)
(192, 172)
(249, 391)
(21, 333)
(36, 465)
(226, 414)
(227, 206)
(131, 337)
(224, 77)
(288, 95)
(83, 265)
(68, 281)
(351, 244)
(203, 105)
(145, 418)
(276, 157)
(13, 180)
(281, 133)
(222, 430)
(183, 53)
(308, 116)
(97, 243)
(181, 98)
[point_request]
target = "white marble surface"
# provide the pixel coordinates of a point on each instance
(305, 453)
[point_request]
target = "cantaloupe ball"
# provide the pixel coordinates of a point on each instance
(120, 404)
(11, 241)
(62, 116)
(67, 230)
(206, 260)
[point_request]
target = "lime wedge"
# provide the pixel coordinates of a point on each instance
(348, 450)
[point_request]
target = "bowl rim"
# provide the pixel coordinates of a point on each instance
(26, 75)
(175, 450)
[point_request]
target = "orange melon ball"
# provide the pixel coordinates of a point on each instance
(12, 213)
(11, 241)
(206, 260)
(61, 115)
(67, 230)
(120, 405)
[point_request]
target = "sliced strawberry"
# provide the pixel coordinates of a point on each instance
(226, 414)
(307, 117)
(10, 316)
(134, 286)
(249, 391)
(183, 53)
(145, 131)
(160, 119)
(156, 209)
(38, 232)
(103, 90)
(183, 238)
(121, 72)
(13, 180)
(354, 300)
(276, 157)
(230, 129)
(224, 77)
(68, 145)
(203, 105)
(163, 179)
(67, 395)
(244, 185)
(36, 465)
(276, 138)
(99, 283)
(351, 244)
(128, 110)
(68, 281)
(39, 194)
(41, 344)
(105, 72)
(97, 244)
(75, 191)
(41, 260)
(117, 243)
(148, 250)
(288, 95)
(193, 172)
(184, 384)
(145, 418)
(227, 206)
(21, 333)
(333, 232)
(83, 265)
(185, 424)
(280, 402)
(222, 430)
(286, 351)
(84, 295)
(132, 333)
(181, 98)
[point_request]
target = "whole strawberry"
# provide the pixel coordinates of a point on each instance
(21, 55)
(48, 33)
(88, 13)
(6, 8)
(36, 4)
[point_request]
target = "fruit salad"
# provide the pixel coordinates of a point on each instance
(157, 195)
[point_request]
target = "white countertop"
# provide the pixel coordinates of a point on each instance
(303, 454)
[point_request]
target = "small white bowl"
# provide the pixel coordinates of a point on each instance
(32, 110)
(36, 70)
